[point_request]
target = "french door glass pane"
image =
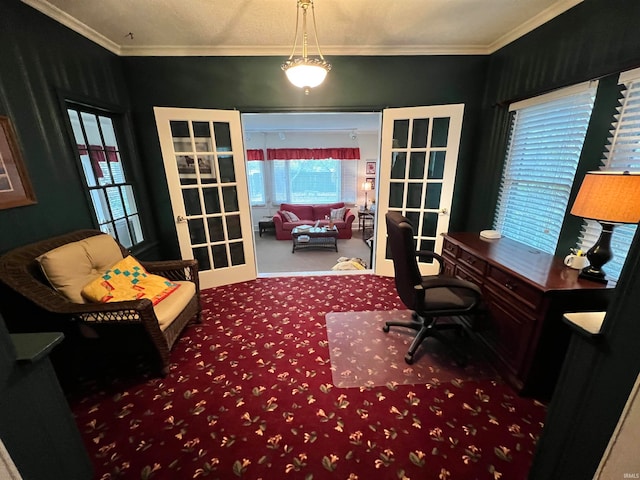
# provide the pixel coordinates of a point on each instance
(237, 253)
(440, 132)
(420, 132)
(216, 232)
(196, 231)
(414, 195)
(211, 200)
(396, 193)
(201, 254)
(230, 198)
(220, 259)
(429, 224)
(400, 133)
(206, 167)
(432, 198)
(191, 201)
(222, 136)
(436, 164)
(417, 164)
(227, 172)
(233, 227)
(398, 165)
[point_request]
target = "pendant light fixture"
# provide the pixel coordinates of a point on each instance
(305, 72)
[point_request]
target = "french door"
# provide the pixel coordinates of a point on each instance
(204, 164)
(418, 159)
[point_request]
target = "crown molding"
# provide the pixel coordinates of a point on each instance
(75, 25)
(533, 23)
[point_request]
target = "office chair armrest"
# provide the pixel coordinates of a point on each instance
(427, 254)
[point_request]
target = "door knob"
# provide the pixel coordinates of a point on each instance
(443, 211)
(180, 219)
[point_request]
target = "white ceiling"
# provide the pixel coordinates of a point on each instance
(267, 27)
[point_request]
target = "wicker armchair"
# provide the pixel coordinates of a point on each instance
(21, 272)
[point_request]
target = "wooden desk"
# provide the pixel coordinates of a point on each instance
(526, 292)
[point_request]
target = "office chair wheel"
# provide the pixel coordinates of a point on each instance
(385, 328)
(409, 359)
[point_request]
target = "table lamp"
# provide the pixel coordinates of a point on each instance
(610, 198)
(366, 186)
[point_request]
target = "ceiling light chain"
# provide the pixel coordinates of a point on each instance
(305, 72)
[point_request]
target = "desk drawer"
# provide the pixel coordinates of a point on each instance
(469, 260)
(449, 249)
(464, 274)
(512, 286)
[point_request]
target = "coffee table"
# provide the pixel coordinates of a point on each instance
(318, 238)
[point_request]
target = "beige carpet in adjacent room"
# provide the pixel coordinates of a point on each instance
(274, 256)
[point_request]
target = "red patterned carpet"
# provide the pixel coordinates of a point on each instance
(250, 395)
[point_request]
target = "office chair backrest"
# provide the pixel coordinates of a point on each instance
(403, 252)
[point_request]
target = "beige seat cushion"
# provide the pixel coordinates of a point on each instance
(170, 307)
(70, 267)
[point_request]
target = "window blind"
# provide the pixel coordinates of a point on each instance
(622, 154)
(545, 142)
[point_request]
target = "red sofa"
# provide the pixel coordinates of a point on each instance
(308, 215)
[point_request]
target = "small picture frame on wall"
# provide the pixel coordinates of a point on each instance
(15, 186)
(372, 181)
(370, 168)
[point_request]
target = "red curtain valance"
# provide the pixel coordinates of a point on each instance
(313, 153)
(255, 155)
(98, 154)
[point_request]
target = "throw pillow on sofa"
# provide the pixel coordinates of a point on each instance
(337, 214)
(289, 216)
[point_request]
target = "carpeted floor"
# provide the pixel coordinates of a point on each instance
(274, 256)
(250, 395)
(362, 355)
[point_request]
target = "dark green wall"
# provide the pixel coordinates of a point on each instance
(39, 58)
(251, 84)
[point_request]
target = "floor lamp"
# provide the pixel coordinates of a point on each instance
(610, 198)
(366, 186)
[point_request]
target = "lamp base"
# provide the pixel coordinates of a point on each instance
(588, 274)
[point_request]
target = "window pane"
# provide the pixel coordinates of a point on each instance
(108, 134)
(122, 231)
(129, 200)
(233, 227)
(396, 192)
(255, 177)
(115, 202)
(100, 205)
(230, 199)
(436, 164)
(181, 136)
(207, 169)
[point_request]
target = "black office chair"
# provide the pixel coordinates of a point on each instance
(429, 297)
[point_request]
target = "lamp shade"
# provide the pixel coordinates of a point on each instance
(306, 74)
(611, 197)
(366, 186)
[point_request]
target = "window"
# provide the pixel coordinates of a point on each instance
(100, 158)
(545, 143)
(303, 175)
(255, 177)
(622, 154)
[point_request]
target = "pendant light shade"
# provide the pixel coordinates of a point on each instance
(306, 72)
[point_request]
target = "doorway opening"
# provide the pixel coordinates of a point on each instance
(268, 189)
